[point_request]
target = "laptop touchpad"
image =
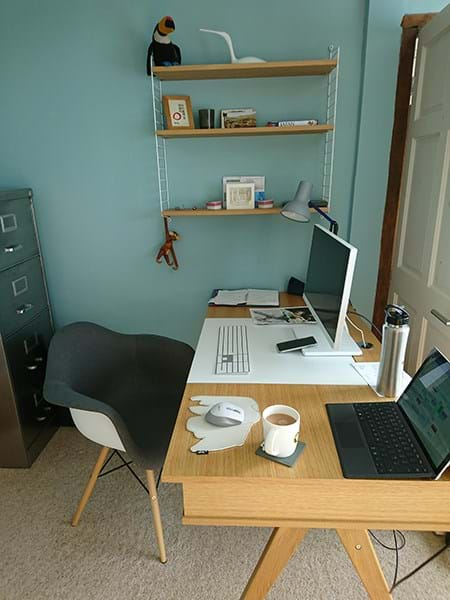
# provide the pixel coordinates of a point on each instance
(349, 435)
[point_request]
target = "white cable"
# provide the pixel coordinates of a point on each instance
(360, 330)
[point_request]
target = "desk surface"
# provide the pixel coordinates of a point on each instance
(331, 498)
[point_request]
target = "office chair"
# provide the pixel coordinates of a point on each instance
(123, 392)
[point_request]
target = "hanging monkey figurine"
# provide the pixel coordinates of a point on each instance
(167, 251)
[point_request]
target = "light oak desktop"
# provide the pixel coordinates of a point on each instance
(236, 487)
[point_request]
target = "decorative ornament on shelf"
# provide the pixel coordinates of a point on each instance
(226, 36)
(167, 251)
(165, 53)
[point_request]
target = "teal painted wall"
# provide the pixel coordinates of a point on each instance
(76, 126)
(377, 112)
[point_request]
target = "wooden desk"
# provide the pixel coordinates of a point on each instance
(236, 487)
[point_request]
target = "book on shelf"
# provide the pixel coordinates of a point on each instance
(244, 297)
(294, 123)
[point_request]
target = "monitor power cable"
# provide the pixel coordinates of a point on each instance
(358, 314)
(399, 544)
(365, 345)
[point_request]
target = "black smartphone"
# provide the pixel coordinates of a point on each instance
(296, 344)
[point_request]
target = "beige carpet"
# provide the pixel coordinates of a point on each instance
(111, 555)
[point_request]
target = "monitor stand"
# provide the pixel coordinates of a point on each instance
(348, 346)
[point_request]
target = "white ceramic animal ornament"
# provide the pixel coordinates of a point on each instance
(219, 438)
(226, 36)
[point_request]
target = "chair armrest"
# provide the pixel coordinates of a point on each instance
(61, 394)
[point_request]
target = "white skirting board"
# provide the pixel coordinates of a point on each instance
(266, 363)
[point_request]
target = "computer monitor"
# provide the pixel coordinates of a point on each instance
(327, 292)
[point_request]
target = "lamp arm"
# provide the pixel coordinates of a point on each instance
(334, 227)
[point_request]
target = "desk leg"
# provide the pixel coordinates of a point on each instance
(360, 550)
(279, 549)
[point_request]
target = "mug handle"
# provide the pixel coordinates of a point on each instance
(269, 443)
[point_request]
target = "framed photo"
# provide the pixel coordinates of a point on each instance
(232, 118)
(178, 112)
(239, 196)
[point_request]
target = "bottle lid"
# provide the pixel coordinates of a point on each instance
(396, 315)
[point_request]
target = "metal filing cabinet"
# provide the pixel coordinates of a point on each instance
(27, 421)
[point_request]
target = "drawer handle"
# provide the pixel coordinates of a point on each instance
(441, 317)
(32, 367)
(24, 308)
(12, 248)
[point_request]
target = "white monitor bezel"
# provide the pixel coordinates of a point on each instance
(335, 344)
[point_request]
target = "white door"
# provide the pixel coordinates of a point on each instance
(421, 267)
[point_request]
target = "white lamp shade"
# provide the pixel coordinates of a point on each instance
(298, 208)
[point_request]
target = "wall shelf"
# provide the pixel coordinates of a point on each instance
(328, 67)
(291, 68)
(243, 131)
(203, 212)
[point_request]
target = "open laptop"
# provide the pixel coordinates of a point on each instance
(407, 439)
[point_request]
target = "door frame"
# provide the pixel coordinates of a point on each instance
(411, 25)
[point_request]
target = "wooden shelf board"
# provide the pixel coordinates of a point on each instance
(202, 212)
(291, 68)
(243, 131)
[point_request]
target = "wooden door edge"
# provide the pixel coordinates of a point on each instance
(416, 20)
(396, 156)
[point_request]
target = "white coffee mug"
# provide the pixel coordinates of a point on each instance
(281, 426)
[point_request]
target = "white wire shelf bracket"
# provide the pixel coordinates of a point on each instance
(328, 155)
(160, 143)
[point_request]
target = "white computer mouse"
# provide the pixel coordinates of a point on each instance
(225, 414)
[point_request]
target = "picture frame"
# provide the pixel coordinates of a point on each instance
(240, 196)
(233, 118)
(178, 112)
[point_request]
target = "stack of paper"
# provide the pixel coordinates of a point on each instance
(248, 297)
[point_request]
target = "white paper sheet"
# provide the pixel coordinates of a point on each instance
(262, 297)
(230, 297)
(250, 297)
(369, 372)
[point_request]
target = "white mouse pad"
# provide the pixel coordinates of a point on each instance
(219, 438)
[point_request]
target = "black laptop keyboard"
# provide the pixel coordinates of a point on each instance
(393, 448)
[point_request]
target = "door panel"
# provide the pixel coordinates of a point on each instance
(421, 266)
(441, 261)
(434, 57)
(419, 211)
(434, 335)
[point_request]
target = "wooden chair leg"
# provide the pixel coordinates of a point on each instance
(156, 515)
(90, 485)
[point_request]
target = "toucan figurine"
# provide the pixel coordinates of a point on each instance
(165, 52)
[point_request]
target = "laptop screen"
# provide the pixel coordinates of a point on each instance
(426, 404)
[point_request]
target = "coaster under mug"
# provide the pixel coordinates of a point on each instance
(289, 461)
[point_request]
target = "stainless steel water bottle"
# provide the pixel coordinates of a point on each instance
(393, 348)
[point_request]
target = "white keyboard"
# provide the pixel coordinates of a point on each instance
(232, 350)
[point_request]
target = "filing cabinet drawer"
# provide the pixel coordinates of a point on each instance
(26, 354)
(17, 236)
(22, 295)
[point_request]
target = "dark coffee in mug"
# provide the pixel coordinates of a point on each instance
(280, 419)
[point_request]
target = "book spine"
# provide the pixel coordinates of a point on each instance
(296, 123)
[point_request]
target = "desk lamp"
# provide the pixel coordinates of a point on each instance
(298, 208)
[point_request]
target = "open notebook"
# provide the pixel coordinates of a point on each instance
(248, 297)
